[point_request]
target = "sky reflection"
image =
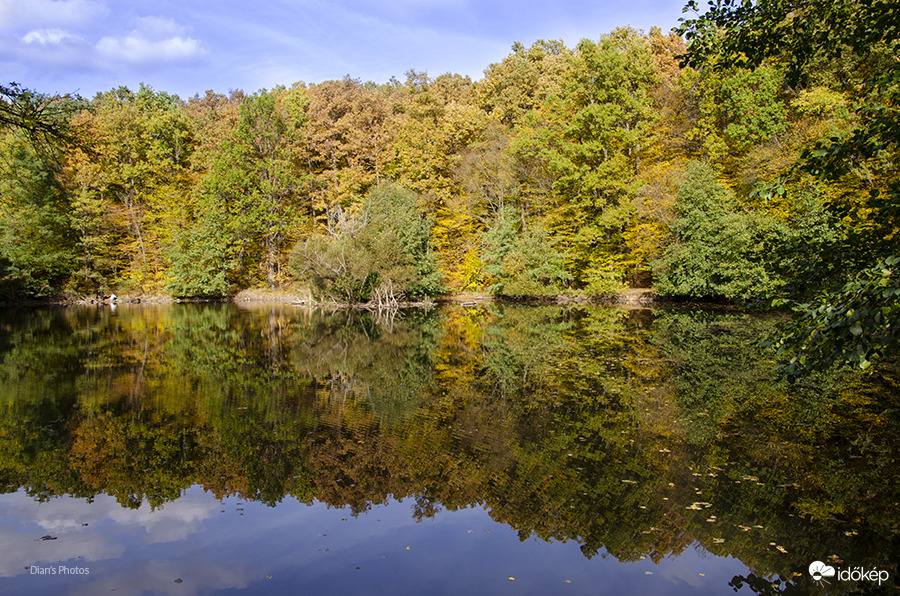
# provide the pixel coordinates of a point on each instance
(200, 544)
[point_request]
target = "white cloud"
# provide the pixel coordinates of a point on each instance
(47, 37)
(138, 49)
(155, 41)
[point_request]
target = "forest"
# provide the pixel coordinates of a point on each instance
(749, 156)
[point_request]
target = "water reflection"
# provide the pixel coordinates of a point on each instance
(636, 434)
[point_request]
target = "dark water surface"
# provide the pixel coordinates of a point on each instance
(196, 449)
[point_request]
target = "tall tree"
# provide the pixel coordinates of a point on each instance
(592, 137)
(135, 166)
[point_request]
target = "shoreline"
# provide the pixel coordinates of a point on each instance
(635, 297)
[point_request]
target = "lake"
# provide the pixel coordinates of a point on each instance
(497, 449)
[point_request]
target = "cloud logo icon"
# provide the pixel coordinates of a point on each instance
(819, 570)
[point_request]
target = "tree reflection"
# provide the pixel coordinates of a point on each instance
(634, 433)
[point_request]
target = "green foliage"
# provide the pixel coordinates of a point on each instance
(522, 261)
(37, 242)
(555, 171)
(380, 253)
(247, 203)
(739, 109)
(844, 322)
(717, 248)
(590, 135)
(853, 325)
(204, 258)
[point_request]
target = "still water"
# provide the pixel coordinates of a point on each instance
(224, 449)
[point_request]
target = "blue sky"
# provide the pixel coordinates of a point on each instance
(188, 46)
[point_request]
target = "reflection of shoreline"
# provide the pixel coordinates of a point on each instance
(557, 420)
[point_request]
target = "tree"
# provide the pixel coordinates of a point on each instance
(380, 253)
(37, 242)
(521, 81)
(347, 140)
(853, 316)
(249, 199)
(716, 250)
(591, 136)
(135, 168)
(44, 119)
(521, 261)
(206, 260)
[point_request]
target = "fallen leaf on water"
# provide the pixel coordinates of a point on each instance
(512, 579)
(782, 549)
(648, 573)
(702, 574)
(179, 580)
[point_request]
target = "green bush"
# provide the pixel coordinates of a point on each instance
(718, 247)
(379, 253)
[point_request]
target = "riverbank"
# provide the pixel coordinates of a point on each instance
(636, 297)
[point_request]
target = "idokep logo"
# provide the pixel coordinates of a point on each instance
(820, 572)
